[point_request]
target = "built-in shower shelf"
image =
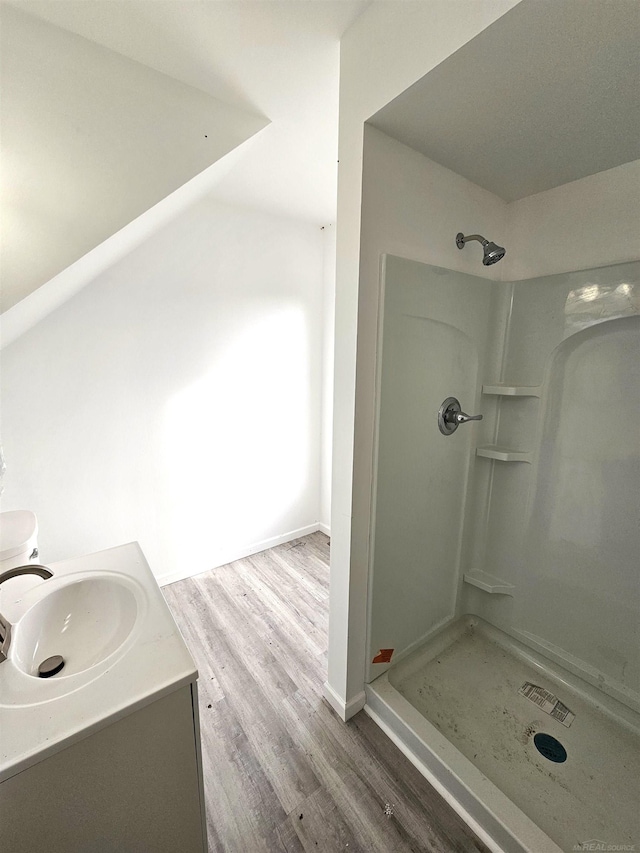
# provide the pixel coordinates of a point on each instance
(503, 454)
(488, 583)
(512, 390)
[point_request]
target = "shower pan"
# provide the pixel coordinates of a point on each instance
(504, 594)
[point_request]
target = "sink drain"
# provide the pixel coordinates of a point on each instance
(51, 666)
(550, 747)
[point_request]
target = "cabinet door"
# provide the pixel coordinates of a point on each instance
(132, 787)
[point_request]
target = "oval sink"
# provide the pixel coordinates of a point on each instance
(85, 621)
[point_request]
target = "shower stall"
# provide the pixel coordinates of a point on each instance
(492, 615)
(504, 599)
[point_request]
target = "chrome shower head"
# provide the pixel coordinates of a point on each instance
(492, 253)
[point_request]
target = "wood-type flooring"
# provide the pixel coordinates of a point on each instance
(282, 772)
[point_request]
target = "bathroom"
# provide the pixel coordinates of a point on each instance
(413, 205)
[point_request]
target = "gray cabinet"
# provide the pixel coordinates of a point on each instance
(134, 786)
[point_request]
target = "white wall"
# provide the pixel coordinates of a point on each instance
(90, 140)
(328, 344)
(15, 321)
(413, 208)
(176, 399)
(588, 223)
(388, 48)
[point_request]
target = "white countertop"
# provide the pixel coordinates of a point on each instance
(39, 717)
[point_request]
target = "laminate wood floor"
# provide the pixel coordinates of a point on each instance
(282, 772)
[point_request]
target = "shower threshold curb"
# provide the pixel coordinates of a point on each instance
(495, 819)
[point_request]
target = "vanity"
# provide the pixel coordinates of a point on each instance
(105, 754)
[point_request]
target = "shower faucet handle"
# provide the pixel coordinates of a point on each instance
(450, 416)
(462, 417)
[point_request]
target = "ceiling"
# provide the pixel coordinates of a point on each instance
(91, 140)
(547, 94)
(276, 59)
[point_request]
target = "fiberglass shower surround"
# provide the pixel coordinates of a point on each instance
(504, 588)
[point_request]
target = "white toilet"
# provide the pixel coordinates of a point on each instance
(18, 539)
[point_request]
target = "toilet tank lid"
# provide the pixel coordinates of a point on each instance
(18, 529)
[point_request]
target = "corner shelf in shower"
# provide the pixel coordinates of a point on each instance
(503, 454)
(512, 390)
(488, 583)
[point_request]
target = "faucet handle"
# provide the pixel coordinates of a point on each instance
(450, 416)
(462, 418)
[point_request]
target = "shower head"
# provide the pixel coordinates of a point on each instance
(492, 252)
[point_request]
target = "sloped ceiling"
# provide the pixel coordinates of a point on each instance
(546, 95)
(278, 59)
(90, 140)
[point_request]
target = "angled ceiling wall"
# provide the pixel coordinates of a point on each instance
(546, 95)
(90, 140)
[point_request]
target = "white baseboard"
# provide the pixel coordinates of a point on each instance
(238, 554)
(345, 710)
(324, 528)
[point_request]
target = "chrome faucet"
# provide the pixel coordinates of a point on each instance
(451, 416)
(31, 569)
(5, 626)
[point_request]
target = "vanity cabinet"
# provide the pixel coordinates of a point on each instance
(104, 756)
(134, 786)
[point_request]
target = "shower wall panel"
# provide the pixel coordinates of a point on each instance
(564, 529)
(437, 341)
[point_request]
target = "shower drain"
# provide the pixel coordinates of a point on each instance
(550, 747)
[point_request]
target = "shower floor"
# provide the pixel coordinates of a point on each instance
(465, 683)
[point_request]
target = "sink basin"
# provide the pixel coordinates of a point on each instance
(86, 621)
